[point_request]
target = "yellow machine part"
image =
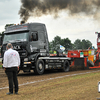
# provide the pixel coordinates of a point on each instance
(89, 54)
(91, 57)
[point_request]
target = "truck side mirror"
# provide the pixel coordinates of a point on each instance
(0, 40)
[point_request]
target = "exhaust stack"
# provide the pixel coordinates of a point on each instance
(22, 22)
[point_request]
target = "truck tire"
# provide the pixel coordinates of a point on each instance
(39, 69)
(66, 66)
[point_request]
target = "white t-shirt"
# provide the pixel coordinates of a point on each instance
(11, 58)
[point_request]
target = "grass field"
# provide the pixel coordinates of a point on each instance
(0, 65)
(78, 87)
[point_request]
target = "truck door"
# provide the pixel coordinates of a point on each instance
(34, 41)
(37, 41)
(42, 40)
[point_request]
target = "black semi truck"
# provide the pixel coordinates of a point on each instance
(31, 41)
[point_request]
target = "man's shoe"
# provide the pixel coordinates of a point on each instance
(16, 92)
(9, 93)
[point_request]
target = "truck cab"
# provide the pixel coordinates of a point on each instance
(31, 41)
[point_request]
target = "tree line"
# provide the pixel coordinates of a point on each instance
(66, 42)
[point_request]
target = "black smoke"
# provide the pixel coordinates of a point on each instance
(37, 8)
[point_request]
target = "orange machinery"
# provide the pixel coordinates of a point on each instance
(83, 58)
(86, 58)
(97, 54)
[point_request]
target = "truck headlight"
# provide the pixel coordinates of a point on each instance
(25, 59)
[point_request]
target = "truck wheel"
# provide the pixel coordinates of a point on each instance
(66, 66)
(39, 67)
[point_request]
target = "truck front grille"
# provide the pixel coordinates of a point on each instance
(22, 53)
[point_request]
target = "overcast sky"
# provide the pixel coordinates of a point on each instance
(65, 26)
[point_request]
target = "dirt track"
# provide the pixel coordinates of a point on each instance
(39, 90)
(29, 77)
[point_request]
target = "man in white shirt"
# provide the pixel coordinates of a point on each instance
(11, 65)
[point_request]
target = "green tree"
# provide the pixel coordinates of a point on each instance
(55, 44)
(50, 47)
(66, 43)
(84, 44)
(77, 44)
(7, 25)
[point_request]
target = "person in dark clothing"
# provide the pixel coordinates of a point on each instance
(11, 65)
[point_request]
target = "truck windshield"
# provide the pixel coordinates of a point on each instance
(15, 37)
